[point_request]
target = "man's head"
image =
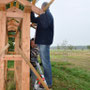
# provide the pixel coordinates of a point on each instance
(44, 5)
(32, 43)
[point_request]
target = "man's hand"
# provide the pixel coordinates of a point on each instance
(34, 25)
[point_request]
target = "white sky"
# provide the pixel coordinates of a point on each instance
(72, 21)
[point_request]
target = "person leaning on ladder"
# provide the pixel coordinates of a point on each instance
(44, 38)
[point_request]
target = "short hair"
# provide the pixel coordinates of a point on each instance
(32, 39)
(44, 4)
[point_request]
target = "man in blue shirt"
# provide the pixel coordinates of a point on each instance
(44, 38)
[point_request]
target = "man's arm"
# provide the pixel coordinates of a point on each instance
(33, 18)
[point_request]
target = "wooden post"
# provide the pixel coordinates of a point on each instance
(18, 64)
(18, 74)
(32, 68)
(33, 2)
(16, 42)
(3, 49)
(2, 45)
(5, 71)
(25, 45)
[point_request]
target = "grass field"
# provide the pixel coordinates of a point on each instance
(71, 70)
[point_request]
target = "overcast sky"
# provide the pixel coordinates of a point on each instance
(72, 21)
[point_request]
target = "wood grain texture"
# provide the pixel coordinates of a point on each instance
(25, 45)
(2, 45)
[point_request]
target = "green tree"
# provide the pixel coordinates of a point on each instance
(70, 47)
(58, 47)
(88, 47)
(75, 47)
(64, 45)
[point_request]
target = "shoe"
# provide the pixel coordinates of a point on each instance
(41, 86)
(50, 87)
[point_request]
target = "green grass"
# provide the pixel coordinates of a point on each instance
(10, 81)
(10, 64)
(70, 72)
(65, 78)
(11, 85)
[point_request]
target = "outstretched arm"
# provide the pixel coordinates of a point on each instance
(33, 18)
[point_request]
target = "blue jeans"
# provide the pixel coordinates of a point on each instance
(45, 58)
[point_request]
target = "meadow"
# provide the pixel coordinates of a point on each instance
(70, 69)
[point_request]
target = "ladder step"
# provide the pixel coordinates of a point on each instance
(10, 69)
(13, 57)
(11, 35)
(11, 52)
